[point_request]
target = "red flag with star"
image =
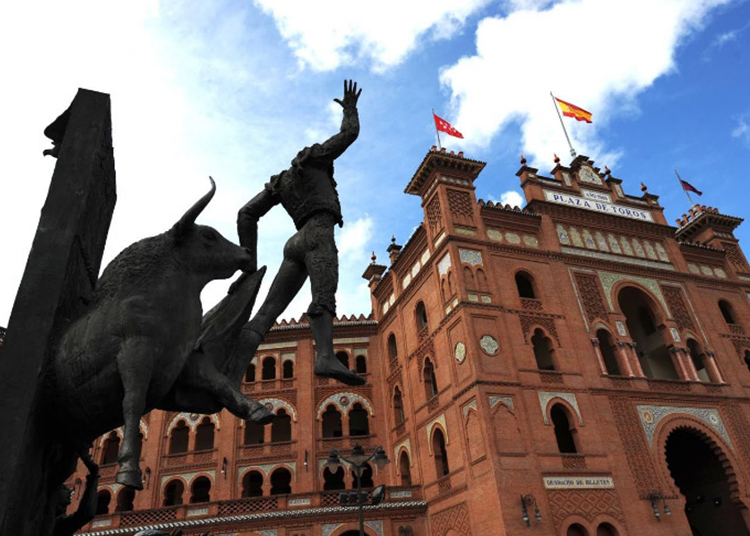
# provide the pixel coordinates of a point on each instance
(444, 126)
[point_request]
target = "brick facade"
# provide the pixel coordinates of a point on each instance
(491, 327)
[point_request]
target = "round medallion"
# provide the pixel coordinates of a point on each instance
(269, 406)
(460, 352)
(489, 344)
(344, 400)
(194, 416)
(648, 417)
(713, 418)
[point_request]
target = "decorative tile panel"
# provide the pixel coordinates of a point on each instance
(614, 245)
(531, 241)
(344, 402)
(494, 234)
(470, 256)
(267, 532)
(465, 232)
(489, 344)
(546, 397)
(562, 235)
(273, 404)
(329, 528)
(468, 407)
(188, 477)
(651, 416)
(575, 236)
(405, 444)
(377, 526)
(513, 238)
(495, 400)
(609, 279)
(288, 357)
(616, 258)
(191, 419)
(440, 419)
(444, 264)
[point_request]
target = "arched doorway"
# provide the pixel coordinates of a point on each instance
(700, 476)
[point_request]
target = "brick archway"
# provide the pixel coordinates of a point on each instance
(686, 426)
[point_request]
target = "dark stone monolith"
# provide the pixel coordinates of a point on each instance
(59, 279)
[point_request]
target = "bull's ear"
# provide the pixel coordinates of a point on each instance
(188, 219)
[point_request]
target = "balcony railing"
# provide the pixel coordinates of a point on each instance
(195, 457)
(239, 506)
(532, 304)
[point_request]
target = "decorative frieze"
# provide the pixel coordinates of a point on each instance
(495, 400)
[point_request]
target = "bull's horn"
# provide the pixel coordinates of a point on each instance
(188, 219)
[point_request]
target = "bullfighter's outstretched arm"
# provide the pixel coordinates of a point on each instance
(247, 220)
(337, 144)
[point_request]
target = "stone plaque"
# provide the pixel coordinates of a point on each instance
(578, 482)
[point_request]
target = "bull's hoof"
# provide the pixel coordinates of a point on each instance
(333, 368)
(130, 478)
(261, 415)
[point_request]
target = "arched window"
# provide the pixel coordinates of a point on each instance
(398, 406)
(204, 435)
(366, 477)
(201, 490)
(441, 455)
(563, 430)
(392, 347)
(343, 357)
(178, 439)
(404, 469)
(605, 529)
(697, 356)
(577, 530)
(525, 285)
(288, 369)
(254, 433)
(269, 368)
(332, 481)
(173, 493)
(430, 381)
(543, 351)
(607, 349)
(727, 312)
(421, 316)
(110, 449)
(641, 316)
(103, 498)
(361, 365)
(281, 427)
(252, 484)
(250, 373)
(281, 481)
(332, 422)
(125, 500)
(358, 422)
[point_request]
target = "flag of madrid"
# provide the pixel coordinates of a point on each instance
(444, 126)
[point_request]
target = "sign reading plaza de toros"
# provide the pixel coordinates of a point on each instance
(578, 482)
(598, 206)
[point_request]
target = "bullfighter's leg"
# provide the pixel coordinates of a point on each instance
(134, 363)
(321, 260)
(287, 283)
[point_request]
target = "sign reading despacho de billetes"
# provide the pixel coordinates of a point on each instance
(597, 206)
(578, 482)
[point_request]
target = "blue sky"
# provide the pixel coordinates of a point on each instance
(235, 89)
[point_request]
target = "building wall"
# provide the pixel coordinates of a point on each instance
(494, 406)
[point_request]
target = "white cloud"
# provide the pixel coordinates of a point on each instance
(327, 34)
(597, 54)
(512, 198)
(742, 130)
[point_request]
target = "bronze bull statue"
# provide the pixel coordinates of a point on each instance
(124, 355)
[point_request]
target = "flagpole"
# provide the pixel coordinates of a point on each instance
(557, 109)
(692, 204)
(437, 132)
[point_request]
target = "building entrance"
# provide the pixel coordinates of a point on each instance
(698, 473)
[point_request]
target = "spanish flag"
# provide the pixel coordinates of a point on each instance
(571, 110)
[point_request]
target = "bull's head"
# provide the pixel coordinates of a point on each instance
(203, 248)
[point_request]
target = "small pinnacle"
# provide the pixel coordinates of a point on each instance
(523, 160)
(644, 188)
(373, 258)
(557, 159)
(607, 171)
(393, 239)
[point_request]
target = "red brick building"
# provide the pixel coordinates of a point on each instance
(578, 367)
